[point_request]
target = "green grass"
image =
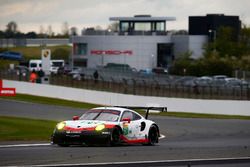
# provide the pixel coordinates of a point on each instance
(34, 52)
(5, 64)
(23, 129)
(51, 101)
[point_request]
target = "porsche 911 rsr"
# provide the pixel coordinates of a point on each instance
(106, 125)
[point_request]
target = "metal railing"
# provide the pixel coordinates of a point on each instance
(161, 86)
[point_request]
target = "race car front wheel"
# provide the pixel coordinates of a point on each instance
(63, 145)
(152, 136)
(115, 137)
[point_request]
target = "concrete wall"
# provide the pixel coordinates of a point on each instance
(227, 107)
(33, 42)
(180, 44)
(192, 43)
(196, 44)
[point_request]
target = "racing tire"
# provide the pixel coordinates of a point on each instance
(152, 136)
(115, 137)
(63, 145)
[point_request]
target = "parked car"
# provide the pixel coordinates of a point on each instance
(204, 81)
(160, 70)
(77, 73)
(11, 55)
(64, 70)
(219, 80)
(22, 70)
(235, 82)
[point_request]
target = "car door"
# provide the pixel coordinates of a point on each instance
(131, 125)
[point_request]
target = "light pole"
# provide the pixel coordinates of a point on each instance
(212, 34)
(213, 38)
(152, 55)
(102, 59)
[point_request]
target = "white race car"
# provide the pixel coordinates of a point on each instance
(108, 125)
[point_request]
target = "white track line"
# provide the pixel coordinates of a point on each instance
(24, 145)
(162, 136)
(138, 162)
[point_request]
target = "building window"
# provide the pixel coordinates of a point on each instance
(160, 26)
(80, 49)
(124, 26)
(143, 26)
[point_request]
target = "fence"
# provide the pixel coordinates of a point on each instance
(161, 86)
(13, 42)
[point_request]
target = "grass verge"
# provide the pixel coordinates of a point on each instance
(50, 101)
(23, 129)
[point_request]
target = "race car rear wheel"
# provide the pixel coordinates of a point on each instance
(152, 136)
(115, 137)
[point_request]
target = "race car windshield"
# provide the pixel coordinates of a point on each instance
(101, 115)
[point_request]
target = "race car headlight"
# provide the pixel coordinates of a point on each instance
(100, 127)
(61, 125)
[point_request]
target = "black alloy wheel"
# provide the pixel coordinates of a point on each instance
(152, 136)
(115, 137)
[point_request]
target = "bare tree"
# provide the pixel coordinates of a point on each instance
(113, 26)
(65, 29)
(50, 32)
(73, 31)
(11, 27)
(41, 31)
(98, 27)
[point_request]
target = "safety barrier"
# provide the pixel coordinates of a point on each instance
(226, 107)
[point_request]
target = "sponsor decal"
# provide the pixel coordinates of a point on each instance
(134, 141)
(6, 91)
(125, 129)
(111, 52)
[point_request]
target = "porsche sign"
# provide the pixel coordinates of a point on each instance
(111, 52)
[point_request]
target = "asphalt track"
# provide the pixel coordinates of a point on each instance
(186, 139)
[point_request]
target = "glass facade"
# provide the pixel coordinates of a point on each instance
(130, 26)
(165, 54)
(160, 26)
(80, 49)
(124, 26)
(142, 26)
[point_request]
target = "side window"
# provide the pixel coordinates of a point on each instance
(136, 116)
(131, 115)
(127, 114)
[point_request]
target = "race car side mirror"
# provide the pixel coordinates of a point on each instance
(75, 118)
(126, 120)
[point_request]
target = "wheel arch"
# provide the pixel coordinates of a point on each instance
(118, 127)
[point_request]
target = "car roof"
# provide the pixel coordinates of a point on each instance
(113, 108)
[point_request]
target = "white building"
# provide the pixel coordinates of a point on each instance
(141, 42)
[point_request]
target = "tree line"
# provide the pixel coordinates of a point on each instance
(222, 55)
(12, 31)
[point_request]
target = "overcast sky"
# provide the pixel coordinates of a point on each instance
(31, 14)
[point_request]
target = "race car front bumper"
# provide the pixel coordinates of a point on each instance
(79, 138)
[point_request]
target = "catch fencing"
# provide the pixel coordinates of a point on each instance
(135, 84)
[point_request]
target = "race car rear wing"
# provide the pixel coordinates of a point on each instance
(162, 109)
